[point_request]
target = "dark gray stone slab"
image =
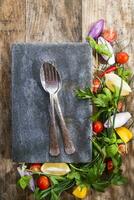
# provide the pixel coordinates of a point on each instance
(30, 103)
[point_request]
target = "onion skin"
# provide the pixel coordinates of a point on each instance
(96, 29)
(110, 60)
(120, 120)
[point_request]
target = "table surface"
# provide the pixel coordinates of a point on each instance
(56, 21)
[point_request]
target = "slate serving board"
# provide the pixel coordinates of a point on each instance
(30, 103)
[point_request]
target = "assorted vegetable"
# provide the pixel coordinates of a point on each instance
(124, 133)
(122, 57)
(117, 120)
(110, 35)
(57, 169)
(110, 132)
(80, 192)
(98, 127)
(43, 183)
(110, 59)
(113, 82)
(96, 29)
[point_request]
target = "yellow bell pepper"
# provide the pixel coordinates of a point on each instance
(80, 192)
(124, 133)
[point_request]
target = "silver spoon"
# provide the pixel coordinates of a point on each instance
(50, 85)
(68, 144)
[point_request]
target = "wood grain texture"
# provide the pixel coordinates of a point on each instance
(52, 21)
(27, 21)
(117, 14)
(12, 28)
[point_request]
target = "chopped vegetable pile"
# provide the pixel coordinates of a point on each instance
(110, 131)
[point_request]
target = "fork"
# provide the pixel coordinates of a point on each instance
(50, 85)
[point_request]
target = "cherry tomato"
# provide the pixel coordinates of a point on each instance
(122, 149)
(43, 183)
(96, 85)
(110, 35)
(110, 165)
(98, 127)
(35, 167)
(122, 57)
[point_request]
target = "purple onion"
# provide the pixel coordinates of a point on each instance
(96, 29)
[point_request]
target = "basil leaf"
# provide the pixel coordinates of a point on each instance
(24, 181)
(111, 150)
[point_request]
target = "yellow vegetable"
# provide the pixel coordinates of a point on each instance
(124, 133)
(58, 169)
(112, 80)
(80, 192)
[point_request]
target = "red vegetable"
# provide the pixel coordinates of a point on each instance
(96, 29)
(98, 127)
(120, 106)
(35, 167)
(110, 35)
(122, 57)
(122, 149)
(110, 165)
(96, 85)
(108, 70)
(43, 183)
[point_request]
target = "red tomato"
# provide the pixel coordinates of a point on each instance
(43, 183)
(35, 167)
(98, 127)
(122, 57)
(110, 165)
(110, 35)
(96, 85)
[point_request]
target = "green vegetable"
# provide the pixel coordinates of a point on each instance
(111, 150)
(100, 48)
(24, 181)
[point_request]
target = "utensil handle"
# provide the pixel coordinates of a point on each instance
(54, 146)
(68, 143)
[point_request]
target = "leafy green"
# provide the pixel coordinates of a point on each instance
(55, 190)
(124, 73)
(118, 179)
(84, 93)
(100, 48)
(100, 185)
(24, 181)
(111, 150)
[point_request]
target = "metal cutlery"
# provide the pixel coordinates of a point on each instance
(52, 83)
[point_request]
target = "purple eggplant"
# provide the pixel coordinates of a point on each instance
(96, 29)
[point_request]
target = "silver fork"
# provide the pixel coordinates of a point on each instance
(49, 84)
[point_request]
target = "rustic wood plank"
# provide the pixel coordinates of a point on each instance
(12, 28)
(53, 21)
(117, 14)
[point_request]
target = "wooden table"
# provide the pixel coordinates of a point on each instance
(56, 21)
